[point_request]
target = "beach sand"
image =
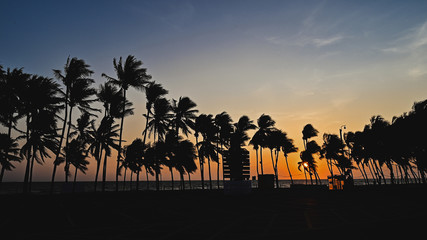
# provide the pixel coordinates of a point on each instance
(366, 212)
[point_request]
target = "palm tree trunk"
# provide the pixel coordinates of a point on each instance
(202, 177)
(148, 181)
(170, 169)
(119, 150)
(217, 174)
(210, 177)
(104, 171)
(98, 164)
(67, 164)
(31, 173)
(287, 165)
(257, 164)
(260, 155)
(189, 180)
(137, 180)
(75, 178)
(124, 180)
(64, 125)
(146, 127)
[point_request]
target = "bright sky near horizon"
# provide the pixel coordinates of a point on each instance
(327, 63)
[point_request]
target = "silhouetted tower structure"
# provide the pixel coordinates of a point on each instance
(236, 164)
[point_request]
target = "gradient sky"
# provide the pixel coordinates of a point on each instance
(327, 63)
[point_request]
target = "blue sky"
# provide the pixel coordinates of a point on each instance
(322, 62)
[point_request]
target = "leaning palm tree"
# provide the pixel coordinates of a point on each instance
(129, 74)
(288, 147)
(77, 81)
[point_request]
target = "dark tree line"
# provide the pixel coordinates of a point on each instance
(47, 107)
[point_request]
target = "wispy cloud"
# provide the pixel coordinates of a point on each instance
(320, 42)
(411, 41)
(306, 41)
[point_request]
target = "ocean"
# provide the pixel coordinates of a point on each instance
(62, 187)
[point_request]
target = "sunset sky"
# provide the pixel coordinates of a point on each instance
(328, 63)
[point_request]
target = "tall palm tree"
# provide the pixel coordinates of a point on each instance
(153, 91)
(77, 82)
(207, 148)
(129, 74)
(265, 126)
(8, 154)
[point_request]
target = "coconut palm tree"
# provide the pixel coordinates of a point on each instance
(78, 91)
(308, 132)
(153, 91)
(129, 74)
(207, 148)
(183, 115)
(184, 157)
(133, 157)
(265, 126)
(77, 153)
(100, 140)
(8, 154)
(160, 121)
(40, 141)
(287, 148)
(110, 96)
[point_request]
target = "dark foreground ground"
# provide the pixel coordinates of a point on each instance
(368, 213)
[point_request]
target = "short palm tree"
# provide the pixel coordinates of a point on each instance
(101, 140)
(129, 74)
(77, 153)
(287, 148)
(8, 154)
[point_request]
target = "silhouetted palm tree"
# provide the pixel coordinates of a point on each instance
(110, 96)
(41, 140)
(133, 157)
(160, 121)
(207, 148)
(265, 125)
(184, 115)
(77, 82)
(8, 154)
(153, 91)
(129, 74)
(288, 147)
(308, 132)
(102, 139)
(77, 154)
